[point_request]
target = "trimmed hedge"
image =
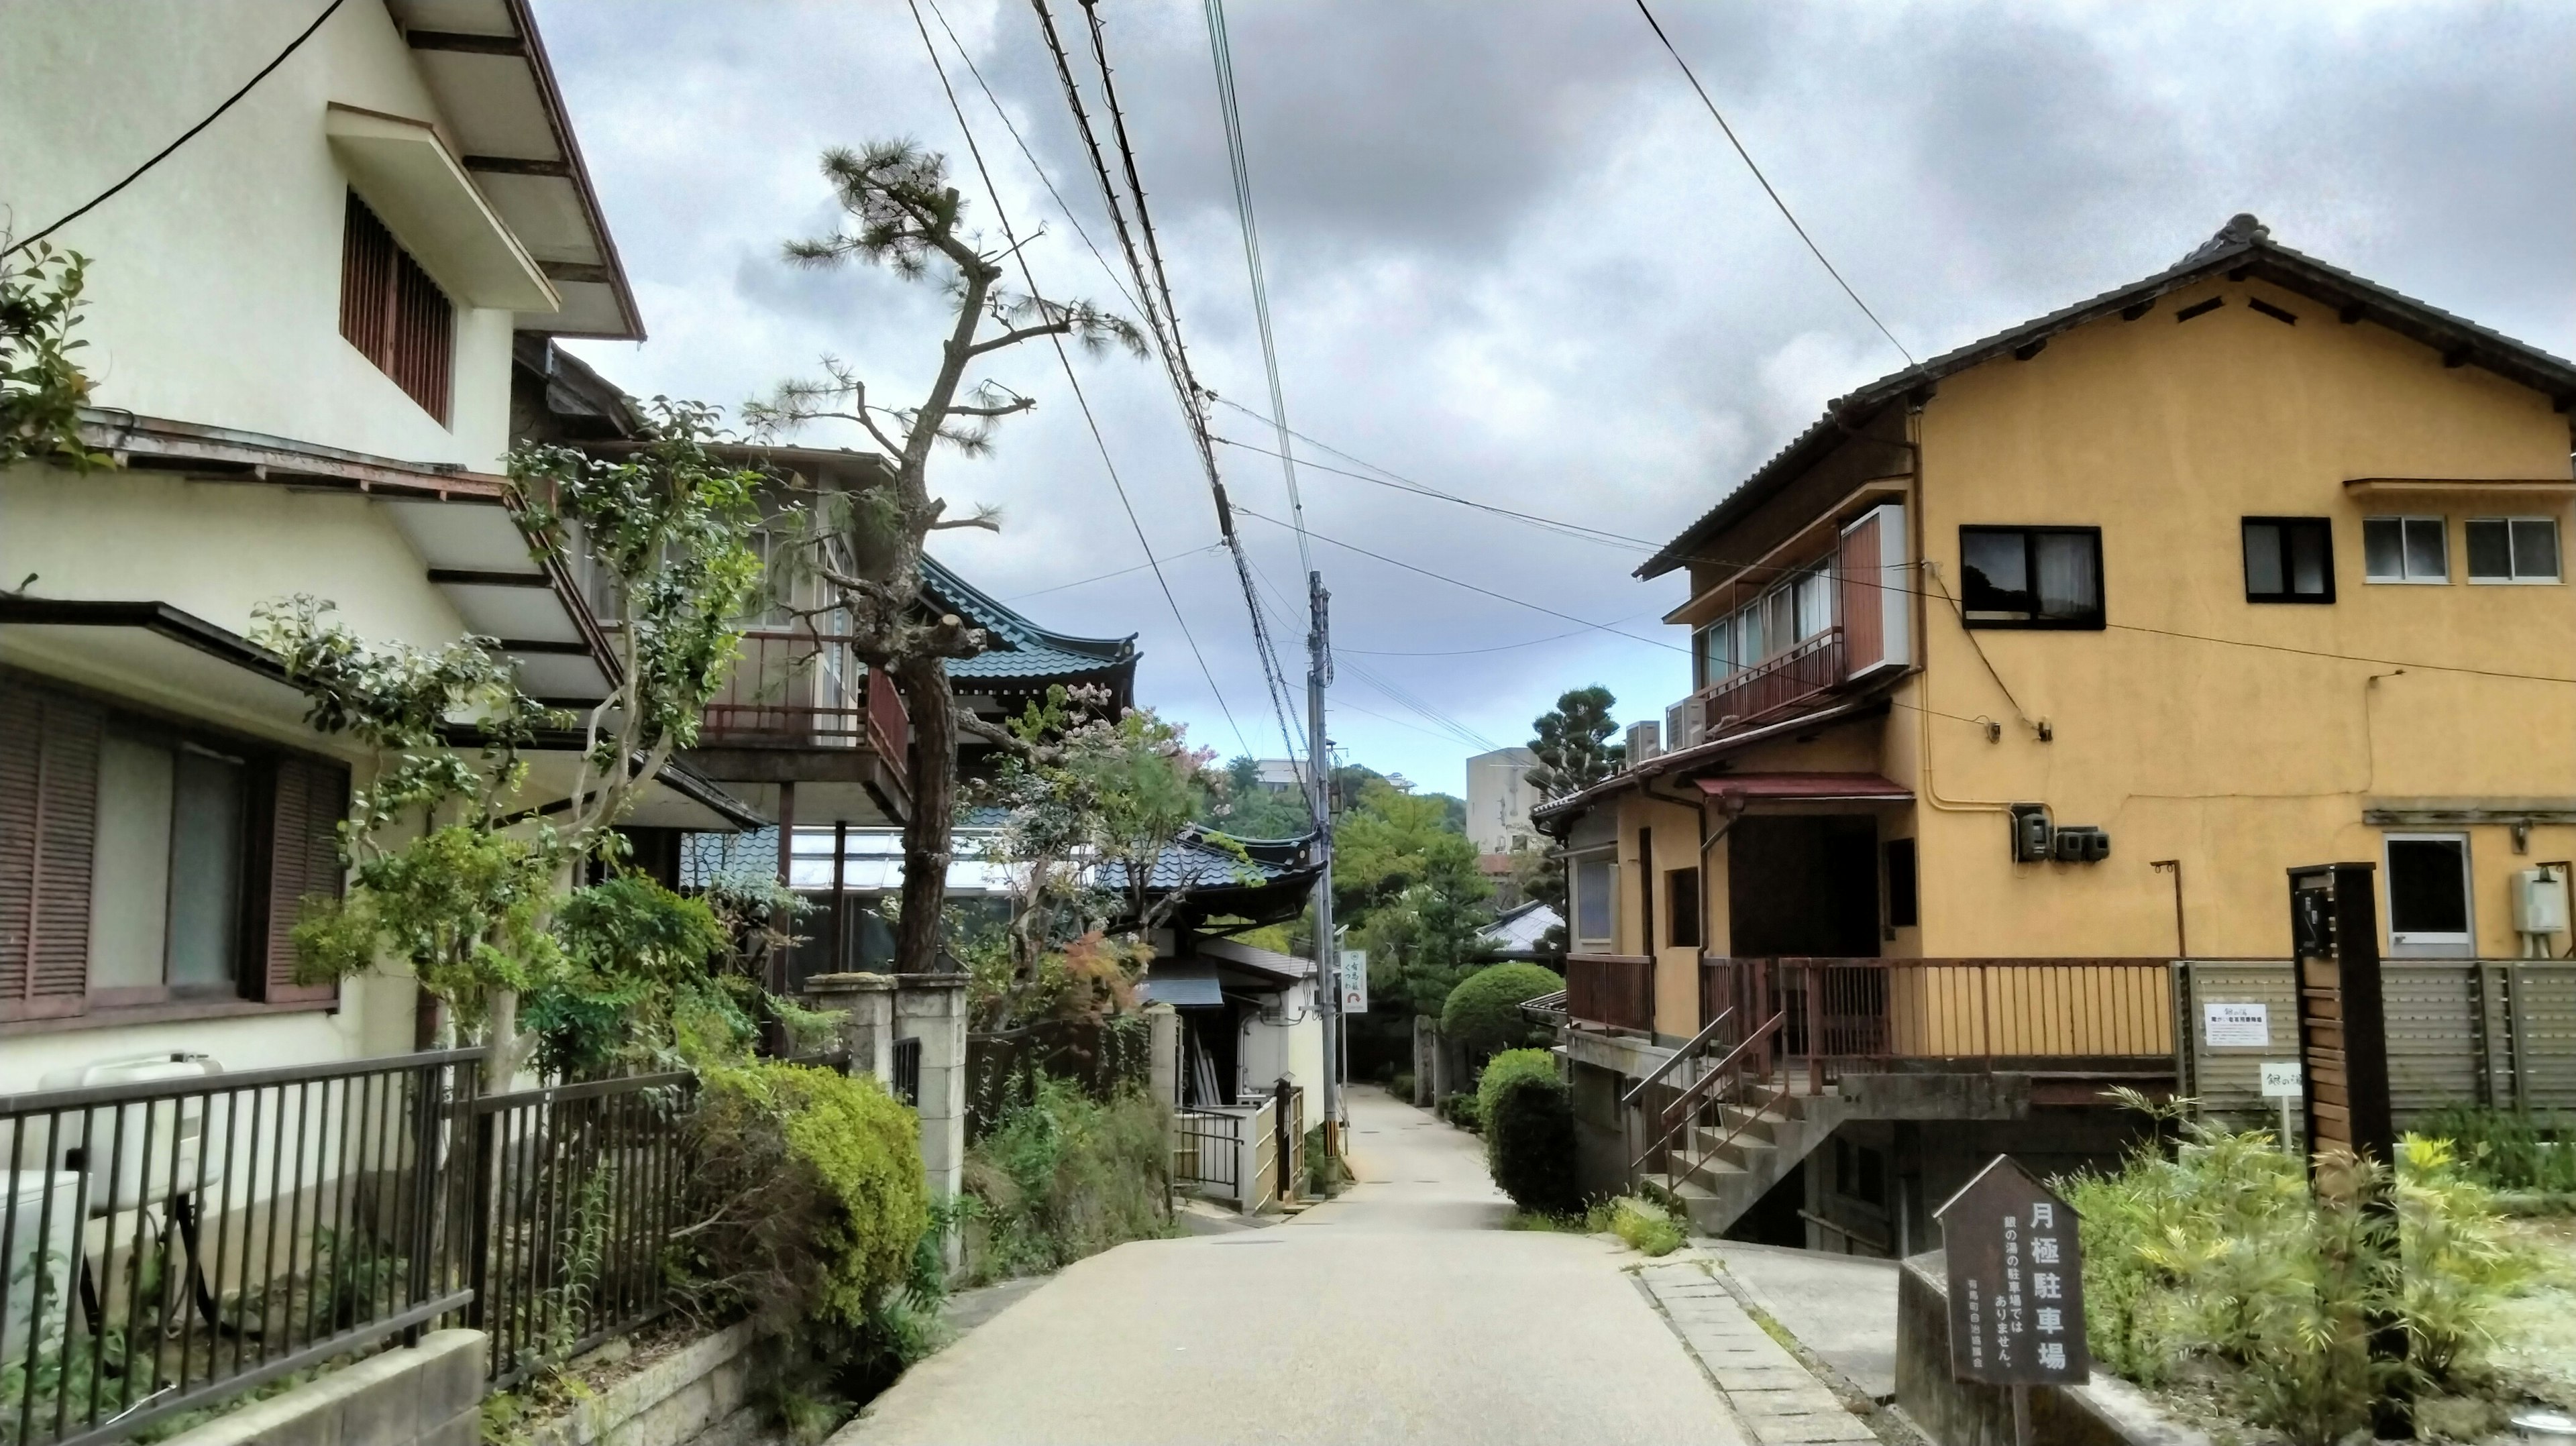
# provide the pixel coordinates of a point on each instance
(1510, 1065)
(1483, 1014)
(1529, 1137)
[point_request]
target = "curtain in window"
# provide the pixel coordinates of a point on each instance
(2069, 583)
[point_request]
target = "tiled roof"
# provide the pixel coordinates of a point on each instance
(1021, 651)
(1192, 862)
(2244, 245)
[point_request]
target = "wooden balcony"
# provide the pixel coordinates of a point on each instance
(1865, 1016)
(799, 707)
(1794, 677)
(1616, 990)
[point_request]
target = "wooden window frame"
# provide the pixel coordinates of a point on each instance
(395, 313)
(2284, 527)
(2030, 534)
(1576, 893)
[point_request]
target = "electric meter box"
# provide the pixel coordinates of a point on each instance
(2539, 902)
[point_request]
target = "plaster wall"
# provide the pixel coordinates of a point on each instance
(214, 285)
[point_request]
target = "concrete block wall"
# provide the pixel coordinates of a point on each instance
(430, 1394)
(2104, 1411)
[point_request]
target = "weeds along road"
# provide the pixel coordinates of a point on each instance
(1401, 1312)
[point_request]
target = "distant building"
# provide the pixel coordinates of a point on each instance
(1281, 775)
(1518, 932)
(1499, 799)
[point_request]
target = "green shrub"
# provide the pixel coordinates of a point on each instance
(1325, 1175)
(1401, 1087)
(1460, 1110)
(1510, 1065)
(816, 1202)
(2519, 1150)
(1065, 1176)
(2217, 1260)
(1529, 1142)
(1646, 1226)
(1483, 1013)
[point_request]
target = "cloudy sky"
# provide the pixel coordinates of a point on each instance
(1510, 257)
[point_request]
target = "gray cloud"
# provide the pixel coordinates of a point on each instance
(1510, 257)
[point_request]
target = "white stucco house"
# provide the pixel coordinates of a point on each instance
(300, 331)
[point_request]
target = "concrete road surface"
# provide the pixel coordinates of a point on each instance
(1398, 1313)
(1842, 1307)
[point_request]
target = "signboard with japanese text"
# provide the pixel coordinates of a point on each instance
(2016, 1281)
(2225, 1024)
(2281, 1081)
(1354, 981)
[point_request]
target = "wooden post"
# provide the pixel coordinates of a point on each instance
(1815, 1028)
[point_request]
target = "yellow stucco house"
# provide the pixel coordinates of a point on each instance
(2026, 672)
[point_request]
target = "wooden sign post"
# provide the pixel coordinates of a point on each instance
(2016, 1286)
(2343, 1033)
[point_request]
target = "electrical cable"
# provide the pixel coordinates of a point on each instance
(1064, 359)
(1767, 190)
(1106, 576)
(185, 136)
(1223, 56)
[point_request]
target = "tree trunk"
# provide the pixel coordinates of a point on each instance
(924, 685)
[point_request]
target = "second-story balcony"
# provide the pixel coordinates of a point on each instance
(1759, 692)
(799, 707)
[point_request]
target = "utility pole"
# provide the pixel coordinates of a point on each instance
(1319, 780)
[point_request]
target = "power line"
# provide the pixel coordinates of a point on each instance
(185, 136)
(1450, 726)
(1149, 561)
(1575, 530)
(1066, 361)
(1223, 56)
(1767, 190)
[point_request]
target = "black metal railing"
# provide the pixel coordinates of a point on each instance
(1206, 1150)
(907, 1071)
(572, 1193)
(173, 1234)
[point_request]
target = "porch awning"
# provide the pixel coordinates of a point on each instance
(1182, 986)
(1734, 790)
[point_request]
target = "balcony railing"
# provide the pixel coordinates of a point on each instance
(1760, 691)
(1617, 990)
(794, 688)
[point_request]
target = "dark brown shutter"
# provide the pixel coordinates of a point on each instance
(303, 861)
(48, 825)
(391, 310)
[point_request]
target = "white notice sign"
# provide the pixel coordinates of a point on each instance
(2225, 1025)
(1355, 981)
(2280, 1081)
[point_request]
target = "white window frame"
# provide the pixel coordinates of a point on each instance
(2441, 522)
(1575, 939)
(2516, 580)
(2419, 943)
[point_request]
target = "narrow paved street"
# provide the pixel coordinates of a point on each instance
(1400, 1312)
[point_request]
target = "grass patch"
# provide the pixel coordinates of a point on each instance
(1645, 1226)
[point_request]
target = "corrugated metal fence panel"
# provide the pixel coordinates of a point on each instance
(2228, 1079)
(2434, 1035)
(2545, 1006)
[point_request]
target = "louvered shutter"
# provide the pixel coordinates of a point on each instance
(48, 825)
(303, 860)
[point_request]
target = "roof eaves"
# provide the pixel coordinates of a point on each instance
(524, 19)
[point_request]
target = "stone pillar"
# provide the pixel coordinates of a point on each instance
(1163, 1047)
(865, 1003)
(932, 1009)
(1426, 1056)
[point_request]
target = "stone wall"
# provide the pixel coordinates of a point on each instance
(430, 1394)
(695, 1395)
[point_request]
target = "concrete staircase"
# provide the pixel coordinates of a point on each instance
(1732, 1174)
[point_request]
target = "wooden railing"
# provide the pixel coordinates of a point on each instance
(1800, 673)
(1613, 989)
(1845, 1015)
(796, 688)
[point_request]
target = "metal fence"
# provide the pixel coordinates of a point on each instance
(571, 1198)
(167, 1242)
(1003, 1066)
(1207, 1148)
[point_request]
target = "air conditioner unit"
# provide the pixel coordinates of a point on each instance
(1644, 742)
(1685, 723)
(121, 1176)
(1877, 580)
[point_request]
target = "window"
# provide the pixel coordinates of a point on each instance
(146, 864)
(1904, 909)
(1645, 891)
(2289, 560)
(2512, 549)
(2031, 577)
(393, 312)
(2404, 549)
(1815, 594)
(1681, 904)
(1714, 651)
(1592, 877)
(2428, 893)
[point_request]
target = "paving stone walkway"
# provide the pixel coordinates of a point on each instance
(1777, 1399)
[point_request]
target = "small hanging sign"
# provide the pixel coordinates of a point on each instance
(2016, 1281)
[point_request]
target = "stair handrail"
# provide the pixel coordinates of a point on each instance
(1698, 1042)
(1779, 1092)
(1688, 1101)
